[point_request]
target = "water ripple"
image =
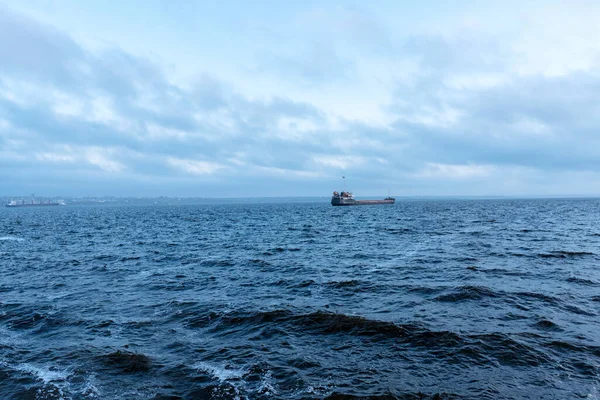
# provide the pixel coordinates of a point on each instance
(441, 299)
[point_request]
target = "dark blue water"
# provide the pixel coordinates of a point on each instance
(495, 299)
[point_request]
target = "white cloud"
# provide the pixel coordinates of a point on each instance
(479, 96)
(341, 162)
(102, 110)
(477, 81)
(66, 104)
(285, 173)
(559, 39)
(23, 93)
(444, 117)
(99, 157)
(4, 125)
(158, 132)
(194, 167)
(56, 157)
(221, 121)
(531, 126)
(296, 129)
(455, 171)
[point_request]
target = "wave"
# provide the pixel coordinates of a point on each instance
(11, 238)
(426, 290)
(217, 263)
(280, 250)
(546, 325)
(233, 381)
(519, 255)
(46, 375)
(509, 351)
(585, 369)
(578, 310)
(130, 258)
(398, 231)
(106, 257)
(475, 233)
(220, 391)
(30, 381)
(465, 259)
(582, 281)
(343, 284)
(573, 347)
(102, 324)
(318, 322)
(6, 288)
(306, 283)
(259, 262)
(502, 271)
(328, 323)
(565, 254)
(393, 396)
(513, 317)
(463, 293)
(127, 362)
(222, 373)
(355, 285)
(537, 296)
(361, 256)
(25, 317)
(430, 260)
(460, 348)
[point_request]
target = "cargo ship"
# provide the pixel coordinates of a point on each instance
(34, 203)
(347, 199)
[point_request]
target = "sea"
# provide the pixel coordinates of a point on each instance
(423, 299)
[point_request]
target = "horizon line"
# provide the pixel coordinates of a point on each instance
(510, 196)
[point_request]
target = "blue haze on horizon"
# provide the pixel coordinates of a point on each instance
(274, 98)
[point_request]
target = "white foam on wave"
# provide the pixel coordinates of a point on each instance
(12, 238)
(49, 376)
(148, 273)
(9, 338)
(224, 374)
(57, 379)
(45, 374)
(594, 394)
(89, 389)
(234, 377)
(267, 385)
(221, 373)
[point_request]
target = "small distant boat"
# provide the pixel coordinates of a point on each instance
(347, 199)
(34, 203)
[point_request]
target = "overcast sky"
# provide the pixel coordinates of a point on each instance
(282, 98)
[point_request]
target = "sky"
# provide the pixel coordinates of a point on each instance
(283, 98)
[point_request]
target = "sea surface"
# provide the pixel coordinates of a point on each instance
(424, 299)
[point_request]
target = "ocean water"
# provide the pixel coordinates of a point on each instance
(464, 299)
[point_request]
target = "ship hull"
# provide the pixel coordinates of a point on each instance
(352, 202)
(32, 205)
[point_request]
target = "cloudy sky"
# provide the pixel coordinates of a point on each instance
(277, 98)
